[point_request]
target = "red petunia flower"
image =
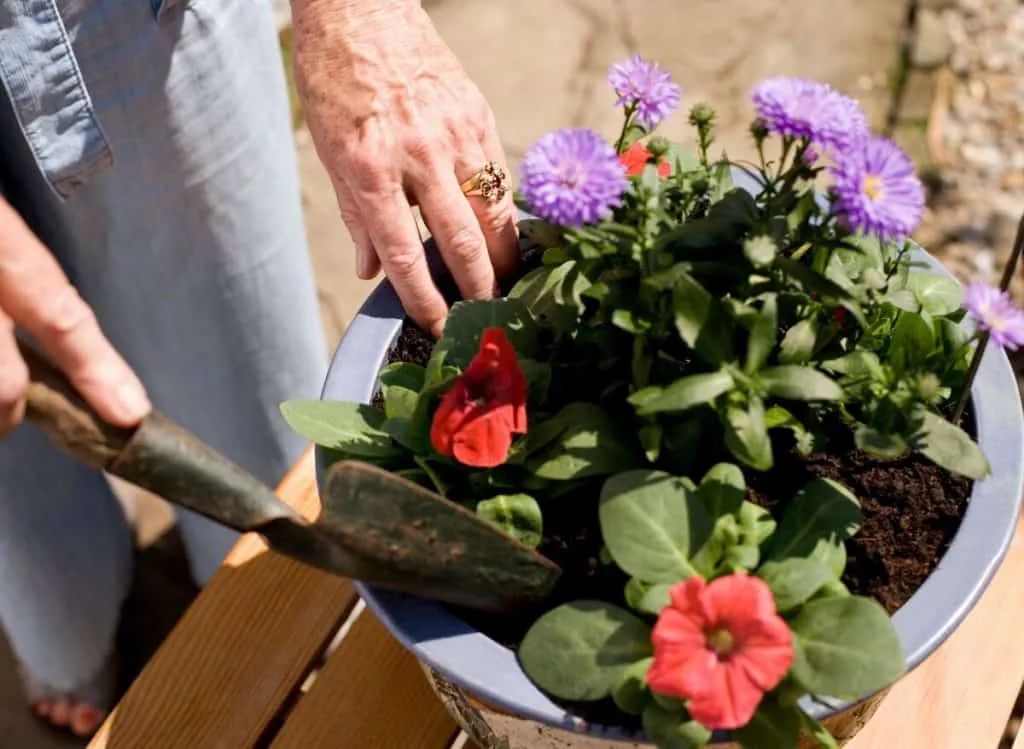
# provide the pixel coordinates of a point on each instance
(635, 159)
(721, 646)
(486, 405)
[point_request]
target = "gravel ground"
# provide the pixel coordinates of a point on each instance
(976, 138)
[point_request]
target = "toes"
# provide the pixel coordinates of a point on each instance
(60, 713)
(85, 719)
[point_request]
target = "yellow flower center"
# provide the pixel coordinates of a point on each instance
(720, 641)
(873, 187)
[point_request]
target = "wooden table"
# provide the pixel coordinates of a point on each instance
(258, 661)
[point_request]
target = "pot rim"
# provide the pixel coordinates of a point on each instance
(492, 672)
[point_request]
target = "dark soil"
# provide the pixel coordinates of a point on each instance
(911, 511)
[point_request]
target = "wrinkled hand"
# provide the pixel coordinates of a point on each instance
(36, 296)
(397, 122)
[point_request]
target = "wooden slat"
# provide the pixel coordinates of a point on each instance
(371, 693)
(962, 695)
(240, 652)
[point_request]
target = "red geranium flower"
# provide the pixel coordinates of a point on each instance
(485, 406)
(721, 646)
(635, 159)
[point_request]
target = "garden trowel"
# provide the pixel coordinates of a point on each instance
(373, 526)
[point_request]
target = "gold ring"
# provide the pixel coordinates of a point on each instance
(490, 183)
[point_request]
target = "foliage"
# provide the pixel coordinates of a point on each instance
(701, 328)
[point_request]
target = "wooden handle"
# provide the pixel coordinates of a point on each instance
(159, 455)
(68, 420)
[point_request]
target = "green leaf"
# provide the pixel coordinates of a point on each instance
(771, 727)
(818, 732)
(817, 283)
(937, 295)
(880, 444)
(580, 650)
(949, 446)
(399, 402)
(673, 730)
(799, 383)
(912, 342)
(793, 581)
(652, 524)
(630, 322)
(467, 321)
(535, 232)
(756, 523)
(762, 334)
(722, 490)
(702, 321)
(650, 439)
(553, 294)
(538, 379)
(857, 364)
(746, 434)
(760, 250)
(721, 179)
(683, 394)
(797, 345)
(581, 440)
(778, 417)
(630, 692)
(646, 598)
(903, 299)
(845, 647)
(815, 524)
(518, 516)
(682, 159)
(726, 223)
(352, 428)
(402, 374)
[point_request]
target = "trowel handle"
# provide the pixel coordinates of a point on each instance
(70, 422)
(158, 455)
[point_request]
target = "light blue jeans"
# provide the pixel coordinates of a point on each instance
(149, 145)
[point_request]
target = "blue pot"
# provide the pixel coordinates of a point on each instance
(491, 672)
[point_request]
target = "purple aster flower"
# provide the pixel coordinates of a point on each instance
(876, 190)
(645, 85)
(572, 177)
(801, 108)
(996, 313)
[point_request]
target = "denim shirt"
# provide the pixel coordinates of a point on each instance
(48, 92)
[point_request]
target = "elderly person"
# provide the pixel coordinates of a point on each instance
(151, 242)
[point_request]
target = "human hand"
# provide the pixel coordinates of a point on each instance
(397, 122)
(36, 296)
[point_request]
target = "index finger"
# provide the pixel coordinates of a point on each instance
(38, 297)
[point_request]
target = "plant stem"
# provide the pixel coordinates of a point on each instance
(625, 127)
(979, 351)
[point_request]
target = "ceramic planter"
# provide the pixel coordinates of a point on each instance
(481, 680)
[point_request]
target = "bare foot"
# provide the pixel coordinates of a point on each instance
(81, 718)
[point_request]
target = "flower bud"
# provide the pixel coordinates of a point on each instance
(658, 146)
(759, 129)
(702, 115)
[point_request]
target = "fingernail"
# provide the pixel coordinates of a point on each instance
(363, 269)
(133, 401)
(437, 329)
